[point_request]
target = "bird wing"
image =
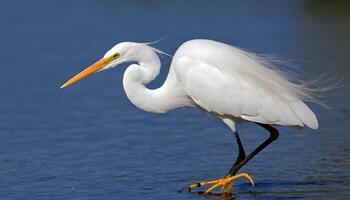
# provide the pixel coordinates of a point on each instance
(231, 90)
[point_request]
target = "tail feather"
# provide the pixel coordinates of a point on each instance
(305, 114)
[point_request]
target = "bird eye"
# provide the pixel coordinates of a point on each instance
(116, 55)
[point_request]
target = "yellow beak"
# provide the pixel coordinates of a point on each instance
(97, 66)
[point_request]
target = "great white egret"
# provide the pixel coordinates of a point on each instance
(231, 84)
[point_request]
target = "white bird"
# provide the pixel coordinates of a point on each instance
(231, 84)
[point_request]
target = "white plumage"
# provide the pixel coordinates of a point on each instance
(228, 81)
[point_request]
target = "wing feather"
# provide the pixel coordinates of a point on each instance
(232, 88)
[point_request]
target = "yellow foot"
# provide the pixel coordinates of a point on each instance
(225, 183)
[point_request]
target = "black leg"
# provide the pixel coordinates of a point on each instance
(273, 136)
(241, 153)
(240, 161)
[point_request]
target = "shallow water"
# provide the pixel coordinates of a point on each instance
(89, 142)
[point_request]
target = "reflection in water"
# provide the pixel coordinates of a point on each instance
(216, 196)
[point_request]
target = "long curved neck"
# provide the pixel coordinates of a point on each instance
(136, 76)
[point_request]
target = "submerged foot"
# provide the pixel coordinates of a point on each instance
(225, 183)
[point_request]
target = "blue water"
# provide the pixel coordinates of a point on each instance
(89, 142)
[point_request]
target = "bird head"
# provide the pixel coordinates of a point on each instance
(120, 53)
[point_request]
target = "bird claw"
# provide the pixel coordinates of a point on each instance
(225, 184)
